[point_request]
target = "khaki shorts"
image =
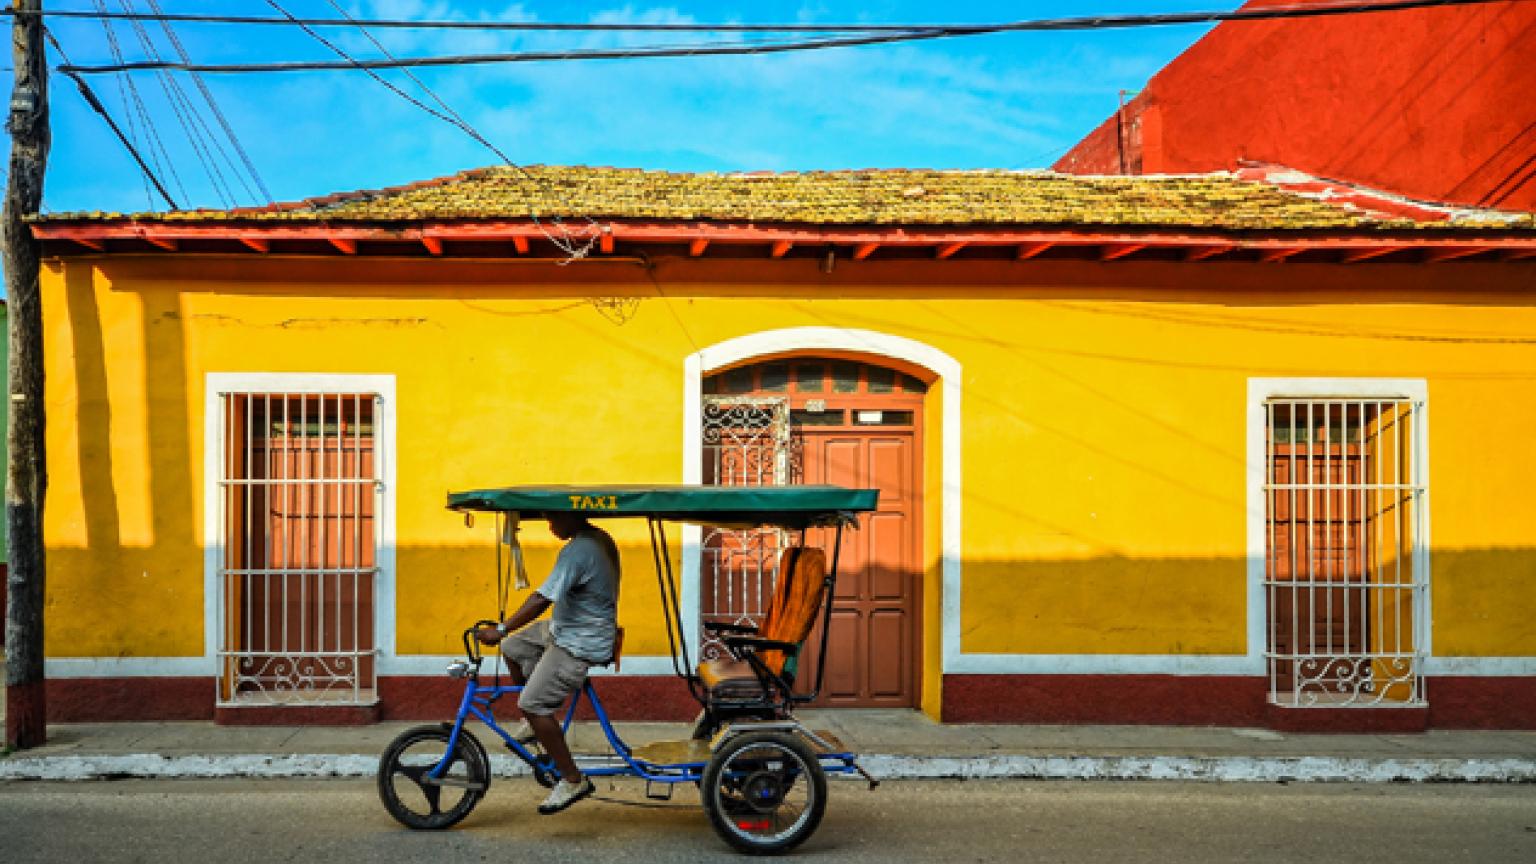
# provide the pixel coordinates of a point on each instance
(552, 672)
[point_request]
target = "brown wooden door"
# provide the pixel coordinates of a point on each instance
(875, 629)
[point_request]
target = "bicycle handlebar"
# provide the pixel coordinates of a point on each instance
(472, 642)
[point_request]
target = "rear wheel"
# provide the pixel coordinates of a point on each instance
(765, 792)
(417, 799)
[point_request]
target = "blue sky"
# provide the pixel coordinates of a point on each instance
(1002, 101)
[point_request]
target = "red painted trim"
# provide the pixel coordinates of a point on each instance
(1110, 253)
(1200, 254)
(1367, 254)
(946, 250)
(697, 247)
(1116, 699)
(434, 245)
(637, 698)
(1454, 703)
(1438, 255)
(1382, 721)
(865, 239)
(1482, 703)
(298, 715)
(1275, 255)
(780, 248)
(256, 244)
(129, 700)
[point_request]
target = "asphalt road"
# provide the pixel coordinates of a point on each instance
(227, 822)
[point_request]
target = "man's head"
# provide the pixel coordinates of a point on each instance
(565, 525)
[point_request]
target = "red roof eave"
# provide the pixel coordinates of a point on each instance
(1115, 242)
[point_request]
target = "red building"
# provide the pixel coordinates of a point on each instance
(1436, 104)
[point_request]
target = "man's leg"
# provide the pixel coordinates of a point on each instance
(557, 677)
(547, 728)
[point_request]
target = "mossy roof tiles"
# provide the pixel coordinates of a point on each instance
(873, 197)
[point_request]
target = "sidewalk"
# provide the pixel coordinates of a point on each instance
(892, 744)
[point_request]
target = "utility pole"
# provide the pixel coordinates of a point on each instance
(26, 710)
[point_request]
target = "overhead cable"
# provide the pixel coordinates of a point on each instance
(565, 241)
(133, 105)
(96, 105)
(186, 115)
(914, 33)
(213, 105)
(674, 27)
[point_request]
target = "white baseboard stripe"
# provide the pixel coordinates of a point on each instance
(965, 664)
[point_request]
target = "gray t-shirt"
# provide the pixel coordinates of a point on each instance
(584, 587)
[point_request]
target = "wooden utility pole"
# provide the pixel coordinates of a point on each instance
(26, 710)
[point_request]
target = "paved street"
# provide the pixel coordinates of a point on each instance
(341, 820)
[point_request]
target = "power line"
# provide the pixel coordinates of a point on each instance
(912, 33)
(565, 241)
(99, 108)
(213, 105)
(635, 27)
(186, 115)
(124, 86)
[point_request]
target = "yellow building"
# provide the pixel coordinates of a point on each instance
(1159, 449)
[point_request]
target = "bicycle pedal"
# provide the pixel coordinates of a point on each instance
(664, 795)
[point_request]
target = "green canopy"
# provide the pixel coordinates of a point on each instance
(791, 506)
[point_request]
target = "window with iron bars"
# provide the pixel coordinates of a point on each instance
(298, 495)
(1345, 573)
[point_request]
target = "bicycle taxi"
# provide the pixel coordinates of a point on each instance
(761, 773)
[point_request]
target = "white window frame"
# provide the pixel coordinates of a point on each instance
(220, 384)
(1260, 391)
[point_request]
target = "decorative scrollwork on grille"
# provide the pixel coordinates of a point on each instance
(286, 679)
(742, 569)
(747, 442)
(1354, 681)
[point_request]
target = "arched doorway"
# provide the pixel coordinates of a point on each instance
(827, 418)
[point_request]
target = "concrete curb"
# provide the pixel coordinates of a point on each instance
(1225, 769)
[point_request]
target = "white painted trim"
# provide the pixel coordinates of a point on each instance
(423, 665)
(1101, 664)
(1474, 667)
(129, 667)
(220, 383)
(801, 339)
(1261, 389)
(1040, 664)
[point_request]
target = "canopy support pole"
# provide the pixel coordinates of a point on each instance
(826, 613)
(677, 637)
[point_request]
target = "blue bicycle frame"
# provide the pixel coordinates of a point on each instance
(478, 701)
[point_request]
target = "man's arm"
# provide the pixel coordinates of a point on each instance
(531, 609)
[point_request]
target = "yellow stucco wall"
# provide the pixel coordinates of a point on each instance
(1103, 429)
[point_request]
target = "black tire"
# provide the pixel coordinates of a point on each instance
(765, 792)
(427, 806)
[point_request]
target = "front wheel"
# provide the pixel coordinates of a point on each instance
(765, 792)
(415, 797)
